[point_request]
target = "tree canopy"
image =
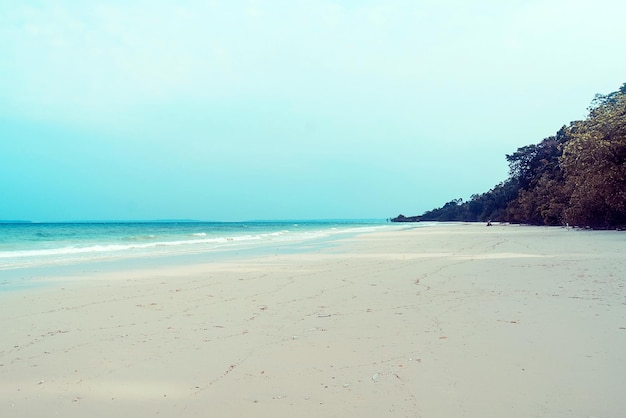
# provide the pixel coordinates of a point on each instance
(576, 177)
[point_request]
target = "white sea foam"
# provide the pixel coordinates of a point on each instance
(59, 245)
(103, 248)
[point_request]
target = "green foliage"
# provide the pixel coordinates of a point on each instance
(529, 163)
(594, 165)
(540, 199)
(451, 211)
(577, 176)
(490, 205)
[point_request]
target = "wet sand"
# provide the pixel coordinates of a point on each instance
(454, 320)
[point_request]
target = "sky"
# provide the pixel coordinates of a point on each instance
(285, 109)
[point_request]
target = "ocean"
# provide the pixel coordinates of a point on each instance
(32, 249)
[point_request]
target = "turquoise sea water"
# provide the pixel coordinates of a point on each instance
(26, 248)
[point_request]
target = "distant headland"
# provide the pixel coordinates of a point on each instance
(576, 177)
(402, 218)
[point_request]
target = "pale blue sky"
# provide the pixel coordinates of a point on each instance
(242, 109)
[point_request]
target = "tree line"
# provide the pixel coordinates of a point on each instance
(576, 177)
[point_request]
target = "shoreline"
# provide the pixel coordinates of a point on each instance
(26, 276)
(454, 321)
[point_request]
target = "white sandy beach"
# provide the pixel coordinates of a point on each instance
(446, 321)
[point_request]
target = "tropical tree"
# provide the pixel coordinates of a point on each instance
(577, 176)
(594, 164)
(537, 168)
